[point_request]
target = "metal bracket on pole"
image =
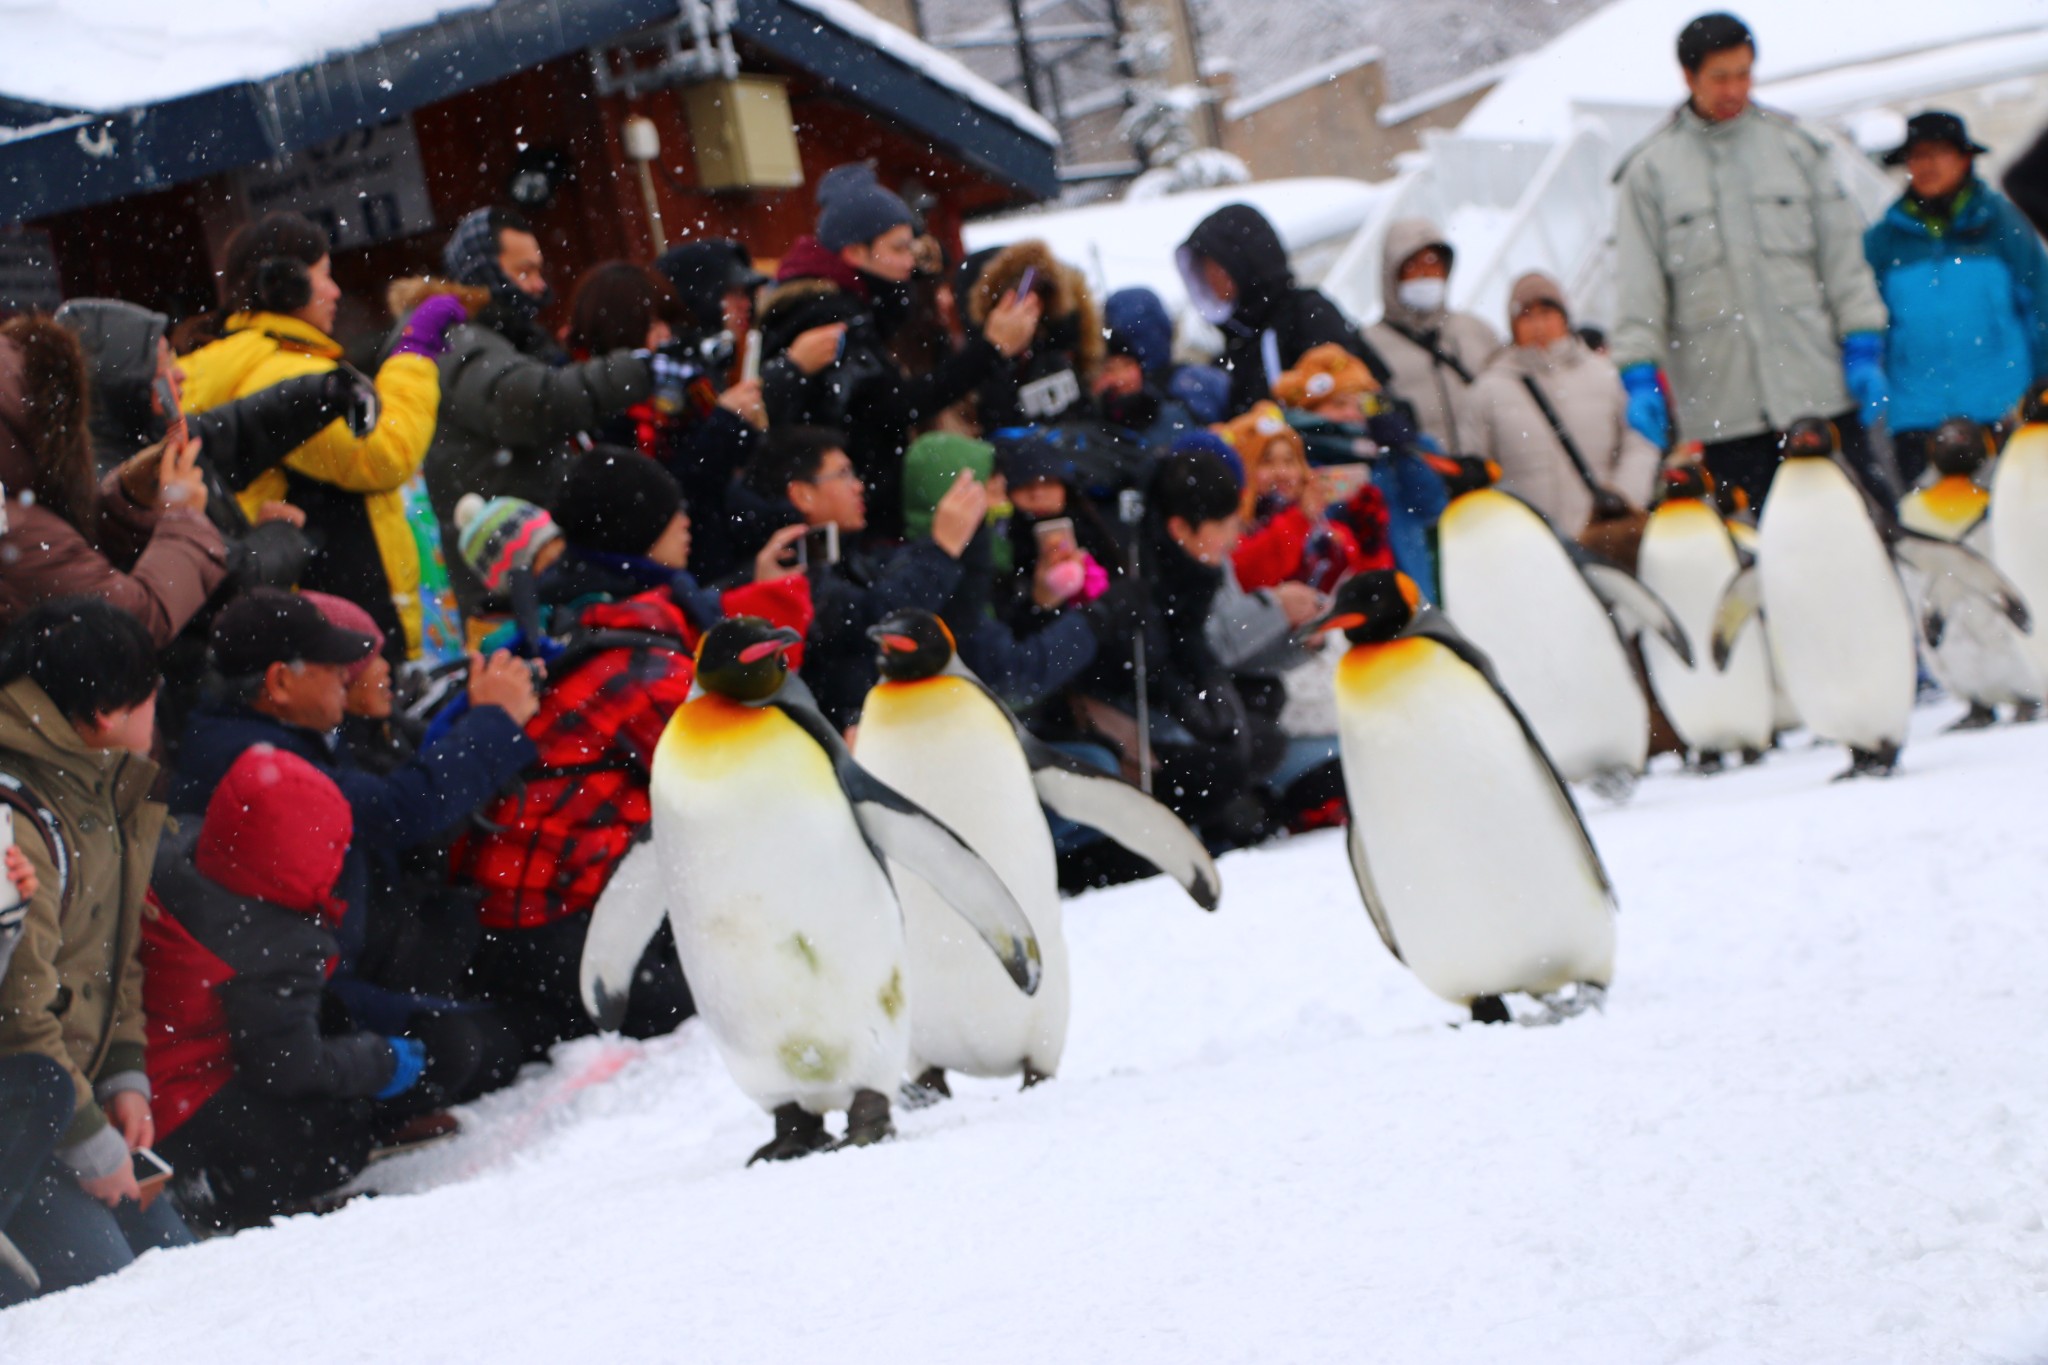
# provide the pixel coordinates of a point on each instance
(694, 46)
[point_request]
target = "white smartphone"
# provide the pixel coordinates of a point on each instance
(750, 364)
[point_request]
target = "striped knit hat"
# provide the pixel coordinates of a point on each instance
(499, 535)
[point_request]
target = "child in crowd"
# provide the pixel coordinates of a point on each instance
(1295, 532)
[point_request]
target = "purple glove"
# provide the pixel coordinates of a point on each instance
(426, 331)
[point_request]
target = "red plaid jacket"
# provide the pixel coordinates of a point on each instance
(559, 834)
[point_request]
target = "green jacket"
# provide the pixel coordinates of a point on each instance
(1739, 269)
(73, 990)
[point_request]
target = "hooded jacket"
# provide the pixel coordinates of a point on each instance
(1739, 268)
(232, 986)
(158, 566)
(1968, 298)
(73, 991)
(350, 487)
(1273, 321)
(1411, 340)
(1050, 381)
(1583, 389)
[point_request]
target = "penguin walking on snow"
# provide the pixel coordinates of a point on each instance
(1555, 619)
(934, 732)
(2018, 515)
(769, 844)
(1687, 558)
(1469, 852)
(1972, 649)
(1827, 583)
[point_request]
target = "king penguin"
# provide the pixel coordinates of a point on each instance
(1972, 649)
(770, 845)
(1828, 586)
(1554, 619)
(2018, 517)
(1467, 847)
(934, 732)
(1688, 557)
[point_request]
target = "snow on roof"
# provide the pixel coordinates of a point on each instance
(104, 55)
(1625, 54)
(1302, 80)
(1399, 112)
(934, 64)
(1124, 244)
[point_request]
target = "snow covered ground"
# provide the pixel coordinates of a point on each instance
(1812, 1126)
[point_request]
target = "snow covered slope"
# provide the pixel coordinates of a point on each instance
(1809, 1128)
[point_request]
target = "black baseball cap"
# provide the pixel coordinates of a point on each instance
(1936, 125)
(266, 626)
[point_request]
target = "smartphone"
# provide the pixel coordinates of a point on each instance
(167, 400)
(820, 545)
(1026, 281)
(9, 897)
(151, 1171)
(750, 364)
(1055, 537)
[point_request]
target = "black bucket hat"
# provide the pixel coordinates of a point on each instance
(1936, 125)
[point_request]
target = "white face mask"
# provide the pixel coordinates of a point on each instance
(1424, 294)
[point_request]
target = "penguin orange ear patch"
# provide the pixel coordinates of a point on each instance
(1410, 594)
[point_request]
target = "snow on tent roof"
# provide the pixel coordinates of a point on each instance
(104, 55)
(1626, 53)
(1125, 244)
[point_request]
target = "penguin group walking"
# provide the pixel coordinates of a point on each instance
(857, 923)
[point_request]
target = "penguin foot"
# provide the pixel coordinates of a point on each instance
(1616, 785)
(1708, 762)
(1976, 718)
(798, 1132)
(867, 1120)
(1033, 1076)
(2025, 712)
(1568, 1003)
(926, 1090)
(1879, 762)
(1490, 1009)
(1752, 757)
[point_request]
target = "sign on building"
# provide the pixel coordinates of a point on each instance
(364, 187)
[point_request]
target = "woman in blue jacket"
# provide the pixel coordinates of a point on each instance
(1965, 279)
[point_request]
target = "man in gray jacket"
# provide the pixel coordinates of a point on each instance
(510, 402)
(1741, 274)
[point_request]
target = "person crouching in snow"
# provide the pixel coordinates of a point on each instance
(257, 1109)
(629, 617)
(1292, 535)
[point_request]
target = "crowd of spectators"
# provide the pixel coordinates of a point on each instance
(396, 648)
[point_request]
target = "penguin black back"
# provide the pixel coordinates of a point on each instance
(914, 645)
(745, 659)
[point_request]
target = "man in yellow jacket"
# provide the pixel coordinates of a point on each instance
(280, 297)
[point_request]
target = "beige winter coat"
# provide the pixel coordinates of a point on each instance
(1441, 399)
(1586, 394)
(1741, 267)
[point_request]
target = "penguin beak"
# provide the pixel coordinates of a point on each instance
(892, 641)
(1331, 621)
(782, 638)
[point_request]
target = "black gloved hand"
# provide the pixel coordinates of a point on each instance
(1609, 505)
(271, 555)
(352, 397)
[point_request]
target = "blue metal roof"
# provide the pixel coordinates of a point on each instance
(84, 159)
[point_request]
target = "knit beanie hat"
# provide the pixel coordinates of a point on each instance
(276, 829)
(617, 501)
(1532, 289)
(854, 209)
(931, 464)
(1323, 372)
(346, 615)
(1209, 443)
(498, 535)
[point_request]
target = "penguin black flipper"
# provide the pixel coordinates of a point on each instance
(899, 828)
(1952, 569)
(1369, 891)
(622, 923)
(1740, 600)
(1431, 624)
(1634, 608)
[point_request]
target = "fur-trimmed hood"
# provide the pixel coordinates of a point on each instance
(44, 447)
(1063, 288)
(406, 294)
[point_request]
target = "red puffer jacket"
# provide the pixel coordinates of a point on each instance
(559, 834)
(1287, 546)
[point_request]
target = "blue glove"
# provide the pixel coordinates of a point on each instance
(1647, 410)
(408, 1060)
(1863, 372)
